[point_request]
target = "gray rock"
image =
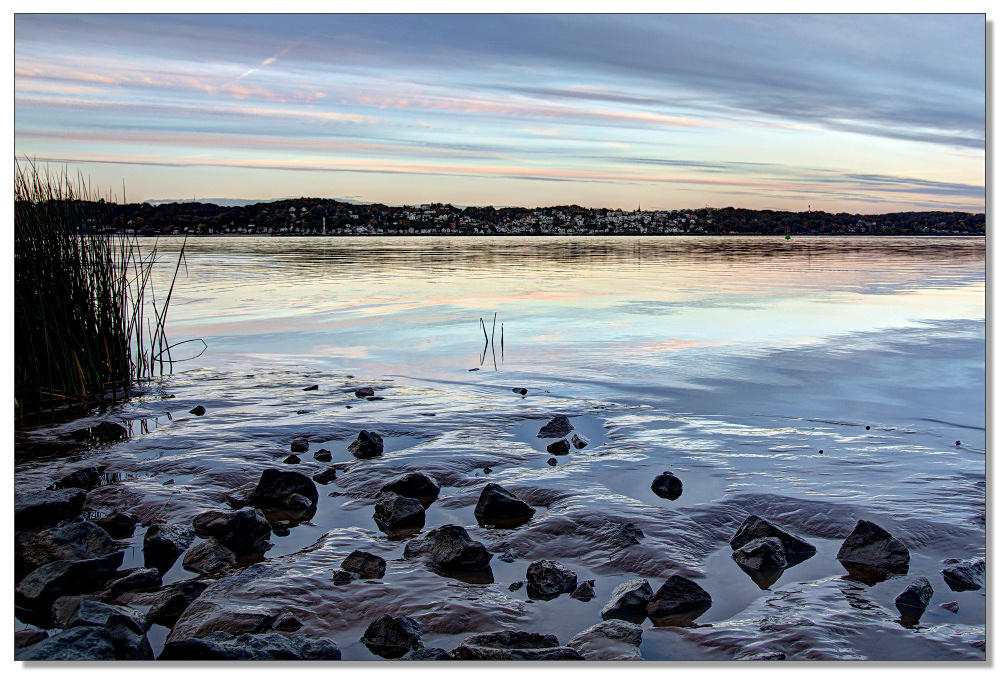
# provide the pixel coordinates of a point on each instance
(623, 534)
(678, 595)
(511, 645)
(450, 547)
(64, 607)
(364, 392)
(198, 410)
(558, 427)
(76, 541)
(579, 441)
(396, 512)
(342, 577)
(240, 497)
(548, 578)
(84, 643)
(221, 646)
(118, 525)
(965, 575)
(45, 508)
(172, 602)
(763, 656)
(628, 600)
(667, 486)
(366, 565)
(758, 528)
(239, 531)
(506, 556)
(209, 557)
(275, 487)
(500, 508)
(292, 459)
(322, 455)
(552, 461)
(391, 637)
(914, 599)
(287, 623)
(325, 476)
(26, 638)
(311, 387)
(415, 486)
(612, 640)
(428, 654)
(126, 628)
(163, 544)
(764, 553)
(560, 447)
(86, 478)
(516, 586)
(368, 444)
(141, 577)
(872, 546)
(950, 606)
(64, 577)
(300, 445)
(584, 591)
(107, 431)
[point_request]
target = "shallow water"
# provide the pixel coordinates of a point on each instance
(749, 367)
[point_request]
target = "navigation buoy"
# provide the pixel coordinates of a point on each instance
(788, 236)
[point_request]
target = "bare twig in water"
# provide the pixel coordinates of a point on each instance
(483, 324)
(493, 332)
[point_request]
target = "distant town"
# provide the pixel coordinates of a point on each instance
(308, 216)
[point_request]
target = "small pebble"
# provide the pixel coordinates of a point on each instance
(950, 606)
(506, 556)
(867, 428)
(821, 452)
(552, 461)
(487, 470)
(515, 586)
(169, 482)
(198, 410)
(520, 390)
(472, 369)
(311, 387)
(958, 442)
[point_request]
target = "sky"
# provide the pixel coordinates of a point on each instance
(857, 113)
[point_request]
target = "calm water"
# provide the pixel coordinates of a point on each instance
(813, 382)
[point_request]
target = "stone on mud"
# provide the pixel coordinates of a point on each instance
(678, 595)
(163, 544)
(366, 565)
(415, 486)
(221, 646)
(118, 525)
(760, 554)
(628, 600)
(76, 541)
(584, 592)
(84, 643)
(208, 557)
(86, 478)
(872, 546)
(239, 531)
(64, 577)
(613, 640)
(497, 506)
(450, 547)
(557, 427)
(275, 487)
(44, 508)
(171, 603)
(965, 575)
(580, 441)
(758, 528)
(368, 444)
(548, 578)
(396, 512)
(510, 645)
(667, 486)
(391, 637)
(560, 447)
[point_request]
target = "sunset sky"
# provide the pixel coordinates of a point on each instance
(859, 113)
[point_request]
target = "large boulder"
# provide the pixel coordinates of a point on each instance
(221, 646)
(914, 599)
(678, 595)
(45, 508)
(500, 508)
(511, 645)
(163, 544)
(118, 525)
(450, 548)
(76, 541)
(628, 601)
(548, 578)
(558, 427)
(964, 575)
(84, 643)
(415, 486)
(391, 637)
(215, 609)
(276, 489)
(366, 565)
(394, 512)
(134, 579)
(368, 444)
(872, 546)
(613, 640)
(209, 557)
(667, 486)
(65, 577)
(753, 527)
(240, 531)
(171, 603)
(760, 554)
(86, 478)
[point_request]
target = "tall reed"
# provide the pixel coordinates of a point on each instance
(81, 290)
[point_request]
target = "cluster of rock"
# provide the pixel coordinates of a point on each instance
(560, 427)
(678, 601)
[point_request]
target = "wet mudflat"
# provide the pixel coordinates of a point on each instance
(813, 426)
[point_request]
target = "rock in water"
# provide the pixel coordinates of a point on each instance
(450, 548)
(558, 427)
(198, 410)
(311, 387)
(428, 654)
(163, 544)
(500, 508)
(322, 455)
(760, 554)
(292, 459)
(391, 637)
(667, 486)
(85, 479)
(612, 640)
(678, 595)
(511, 645)
(365, 565)
(44, 508)
(275, 487)
(239, 531)
(342, 577)
(368, 444)
(965, 575)
(548, 578)
(325, 476)
(580, 441)
(584, 592)
(415, 486)
(628, 601)
(76, 541)
(221, 646)
(364, 392)
(395, 512)
(872, 546)
(560, 447)
(140, 577)
(758, 528)
(300, 445)
(209, 557)
(64, 577)
(914, 599)
(172, 602)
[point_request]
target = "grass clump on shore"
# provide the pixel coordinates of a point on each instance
(80, 295)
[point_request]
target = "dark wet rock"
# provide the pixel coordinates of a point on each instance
(64, 607)
(763, 553)
(628, 600)
(280, 528)
(118, 525)
(552, 461)
(391, 637)
(473, 369)
(141, 577)
(291, 459)
(198, 410)
(45, 508)
(76, 541)
(964, 575)
(341, 577)
(63, 577)
(516, 586)
(311, 387)
(94, 613)
(126, 628)
(667, 486)
(763, 656)
(506, 556)
(221, 646)
(322, 455)
(287, 623)
(913, 601)
(163, 544)
(871, 545)
(368, 444)
(624, 534)
(325, 476)
(240, 497)
(558, 427)
(172, 602)
(499, 507)
(108, 431)
(560, 447)
(584, 592)
(487, 470)
(300, 445)
(366, 565)
(297, 502)
(169, 481)
(275, 487)
(612, 640)
(678, 595)
(86, 478)
(374, 398)
(84, 643)
(415, 486)
(209, 557)
(519, 390)
(509, 645)
(364, 392)
(579, 441)
(26, 638)
(450, 548)
(428, 654)
(548, 578)
(796, 549)
(239, 531)
(950, 606)
(395, 512)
